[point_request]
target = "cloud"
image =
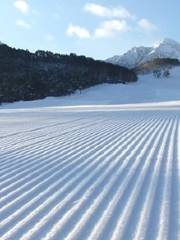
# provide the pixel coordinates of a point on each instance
(22, 6)
(146, 25)
(106, 30)
(116, 20)
(102, 11)
(21, 23)
(110, 28)
(75, 30)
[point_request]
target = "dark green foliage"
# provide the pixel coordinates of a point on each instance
(29, 76)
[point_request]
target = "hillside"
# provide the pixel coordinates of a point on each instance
(30, 76)
(147, 89)
(157, 64)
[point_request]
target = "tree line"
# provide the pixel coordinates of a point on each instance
(29, 76)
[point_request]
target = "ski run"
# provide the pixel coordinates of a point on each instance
(90, 172)
(87, 167)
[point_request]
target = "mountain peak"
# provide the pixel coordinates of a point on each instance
(169, 41)
(166, 41)
(167, 48)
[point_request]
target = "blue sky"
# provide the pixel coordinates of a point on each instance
(99, 28)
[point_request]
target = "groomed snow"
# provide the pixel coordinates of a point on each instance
(95, 172)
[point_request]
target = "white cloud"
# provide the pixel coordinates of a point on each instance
(102, 11)
(21, 23)
(146, 25)
(22, 6)
(116, 20)
(110, 28)
(107, 29)
(75, 30)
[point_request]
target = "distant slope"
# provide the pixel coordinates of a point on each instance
(132, 58)
(155, 64)
(147, 90)
(138, 55)
(30, 76)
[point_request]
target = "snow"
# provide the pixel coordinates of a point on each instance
(166, 49)
(90, 167)
(132, 58)
(146, 90)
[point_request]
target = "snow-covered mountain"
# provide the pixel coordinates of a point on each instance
(166, 49)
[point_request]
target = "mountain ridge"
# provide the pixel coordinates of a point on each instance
(167, 48)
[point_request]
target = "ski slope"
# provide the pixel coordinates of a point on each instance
(95, 172)
(146, 90)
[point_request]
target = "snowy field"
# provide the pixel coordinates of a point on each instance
(93, 172)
